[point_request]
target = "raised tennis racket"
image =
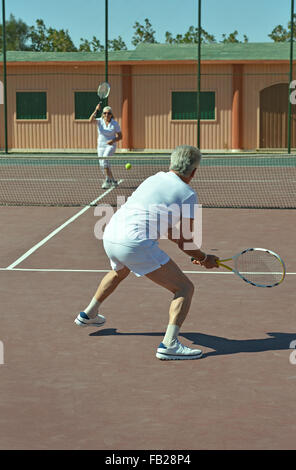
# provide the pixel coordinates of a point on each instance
(257, 266)
(103, 91)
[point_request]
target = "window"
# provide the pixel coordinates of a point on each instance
(184, 105)
(31, 105)
(85, 103)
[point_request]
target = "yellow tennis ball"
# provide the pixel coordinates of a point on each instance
(128, 166)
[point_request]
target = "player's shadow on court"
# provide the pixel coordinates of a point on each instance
(224, 346)
(220, 345)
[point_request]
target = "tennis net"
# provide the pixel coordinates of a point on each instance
(228, 181)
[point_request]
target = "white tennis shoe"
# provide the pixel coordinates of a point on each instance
(177, 352)
(106, 184)
(84, 320)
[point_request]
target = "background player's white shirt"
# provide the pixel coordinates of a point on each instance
(107, 131)
(157, 204)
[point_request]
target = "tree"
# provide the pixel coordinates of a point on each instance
(190, 37)
(169, 39)
(143, 33)
(281, 34)
(117, 44)
(232, 37)
(50, 39)
(93, 46)
(17, 35)
(21, 37)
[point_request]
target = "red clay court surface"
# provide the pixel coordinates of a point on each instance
(65, 387)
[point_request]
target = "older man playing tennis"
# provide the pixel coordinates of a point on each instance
(131, 243)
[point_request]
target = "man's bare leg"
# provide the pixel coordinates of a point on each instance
(109, 283)
(172, 278)
(106, 287)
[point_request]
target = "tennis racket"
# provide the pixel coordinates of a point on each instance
(257, 266)
(103, 91)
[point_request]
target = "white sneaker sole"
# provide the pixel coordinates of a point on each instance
(171, 357)
(79, 323)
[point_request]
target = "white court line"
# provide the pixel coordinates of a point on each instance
(42, 180)
(57, 230)
(49, 180)
(57, 270)
(71, 180)
(93, 270)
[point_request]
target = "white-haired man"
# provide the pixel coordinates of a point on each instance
(131, 242)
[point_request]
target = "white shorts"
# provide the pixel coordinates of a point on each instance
(106, 151)
(140, 259)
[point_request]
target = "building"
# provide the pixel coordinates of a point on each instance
(244, 100)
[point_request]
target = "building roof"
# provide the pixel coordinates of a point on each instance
(230, 52)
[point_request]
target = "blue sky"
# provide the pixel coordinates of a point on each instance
(255, 18)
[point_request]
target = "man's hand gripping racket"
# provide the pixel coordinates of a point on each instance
(209, 261)
(256, 266)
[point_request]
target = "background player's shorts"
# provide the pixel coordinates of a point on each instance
(139, 259)
(106, 151)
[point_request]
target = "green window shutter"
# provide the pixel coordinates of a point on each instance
(207, 105)
(85, 103)
(31, 105)
(184, 105)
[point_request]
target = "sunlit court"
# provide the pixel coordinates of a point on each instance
(81, 130)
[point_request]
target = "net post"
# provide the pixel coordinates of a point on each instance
(290, 77)
(198, 73)
(106, 44)
(4, 75)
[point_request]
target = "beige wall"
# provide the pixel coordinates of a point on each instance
(152, 86)
(60, 130)
(153, 126)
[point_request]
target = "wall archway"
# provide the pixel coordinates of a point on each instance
(274, 117)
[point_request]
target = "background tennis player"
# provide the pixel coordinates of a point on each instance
(131, 243)
(109, 133)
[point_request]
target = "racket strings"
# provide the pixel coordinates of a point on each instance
(103, 90)
(260, 267)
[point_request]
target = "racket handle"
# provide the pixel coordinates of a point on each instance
(224, 265)
(194, 259)
(97, 113)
